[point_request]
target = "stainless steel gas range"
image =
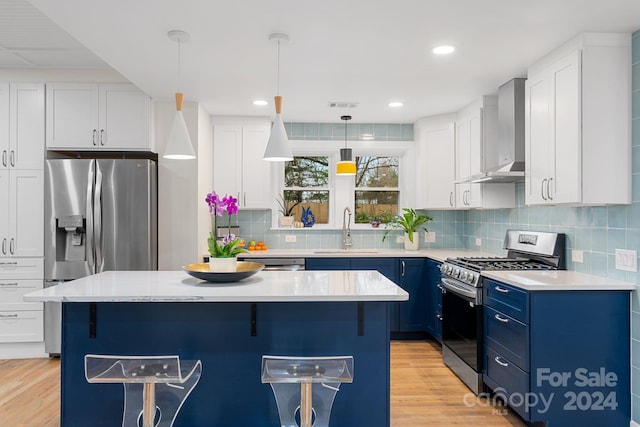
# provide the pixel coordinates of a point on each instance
(461, 284)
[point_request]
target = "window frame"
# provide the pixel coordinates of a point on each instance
(342, 188)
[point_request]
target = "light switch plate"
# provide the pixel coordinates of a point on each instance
(577, 256)
(430, 237)
(290, 238)
(626, 260)
(478, 241)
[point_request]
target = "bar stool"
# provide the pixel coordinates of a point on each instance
(292, 380)
(155, 387)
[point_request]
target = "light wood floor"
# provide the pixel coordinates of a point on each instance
(424, 393)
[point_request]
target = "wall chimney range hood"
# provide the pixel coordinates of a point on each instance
(504, 162)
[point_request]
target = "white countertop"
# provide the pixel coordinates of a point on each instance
(558, 280)
(265, 286)
(436, 254)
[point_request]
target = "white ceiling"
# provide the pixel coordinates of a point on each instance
(365, 51)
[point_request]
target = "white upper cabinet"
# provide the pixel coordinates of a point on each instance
(238, 168)
(22, 126)
(477, 125)
(436, 156)
(89, 116)
(578, 123)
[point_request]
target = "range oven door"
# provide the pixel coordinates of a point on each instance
(462, 320)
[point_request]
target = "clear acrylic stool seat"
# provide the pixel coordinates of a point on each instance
(292, 380)
(155, 387)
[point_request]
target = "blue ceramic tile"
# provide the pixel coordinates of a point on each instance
(314, 241)
(582, 239)
(598, 217)
(633, 239)
(297, 131)
(635, 104)
(617, 216)
(366, 128)
(635, 334)
(394, 131)
(353, 132)
(325, 130)
(568, 216)
(635, 187)
(612, 272)
(635, 77)
(635, 49)
(635, 132)
(635, 351)
(635, 302)
(407, 132)
(599, 263)
(635, 408)
(584, 267)
(633, 215)
(381, 132)
(311, 129)
(635, 163)
(338, 131)
(287, 128)
(599, 240)
(635, 380)
(543, 214)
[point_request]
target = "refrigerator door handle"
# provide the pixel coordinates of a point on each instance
(97, 213)
(89, 213)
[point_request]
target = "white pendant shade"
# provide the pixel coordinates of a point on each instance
(278, 148)
(179, 145)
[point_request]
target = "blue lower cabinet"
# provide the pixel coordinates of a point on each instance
(559, 357)
(412, 314)
(434, 300)
(328, 264)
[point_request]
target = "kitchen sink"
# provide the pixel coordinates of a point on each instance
(346, 251)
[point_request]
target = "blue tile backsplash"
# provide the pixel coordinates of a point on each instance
(597, 231)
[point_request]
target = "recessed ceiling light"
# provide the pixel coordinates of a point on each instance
(443, 50)
(395, 104)
(260, 102)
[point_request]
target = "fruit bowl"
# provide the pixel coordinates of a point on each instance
(244, 269)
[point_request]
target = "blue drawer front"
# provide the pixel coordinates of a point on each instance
(507, 299)
(506, 379)
(507, 336)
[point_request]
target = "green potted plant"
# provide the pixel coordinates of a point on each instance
(410, 222)
(286, 209)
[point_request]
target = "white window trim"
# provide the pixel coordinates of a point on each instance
(342, 188)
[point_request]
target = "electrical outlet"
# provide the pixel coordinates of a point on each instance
(399, 239)
(577, 256)
(430, 237)
(290, 238)
(626, 260)
(478, 241)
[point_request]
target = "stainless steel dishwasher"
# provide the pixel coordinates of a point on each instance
(278, 264)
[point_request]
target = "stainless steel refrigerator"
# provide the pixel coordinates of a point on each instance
(100, 215)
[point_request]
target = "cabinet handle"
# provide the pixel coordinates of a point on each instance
(501, 319)
(451, 198)
(439, 317)
(442, 289)
(542, 189)
(502, 290)
(548, 187)
(9, 284)
(102, 137)
(13, 158)
(11, 246)
(404, 268)
(9, 262)
(4, 158)
(8, 316)
(497, 359)
(93, 137)
(4, 246)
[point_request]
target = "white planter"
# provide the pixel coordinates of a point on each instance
(223, 265)
(408, 245)
(286, 221)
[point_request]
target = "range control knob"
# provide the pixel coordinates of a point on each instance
(464, 276)
(456, 272)
(471, 278)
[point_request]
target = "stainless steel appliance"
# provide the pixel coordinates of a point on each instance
(461, 284)
(278, 264)
(100, 215)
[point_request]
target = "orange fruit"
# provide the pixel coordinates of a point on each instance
(265, 247)
(260, 244)
(251, 248)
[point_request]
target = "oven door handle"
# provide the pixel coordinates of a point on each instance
(457, 289)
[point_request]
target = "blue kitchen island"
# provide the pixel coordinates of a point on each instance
(229, 327)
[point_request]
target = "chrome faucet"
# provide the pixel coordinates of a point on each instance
(346, 229)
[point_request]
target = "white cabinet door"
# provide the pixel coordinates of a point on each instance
(124, 118)
(26, 213)
(26, 126)
(227, 159)
(436, 163)
(538, 137)
(4, 213)
(4, 125)
(256, 173)
(72, 116)
(565, 185)
(463, 160)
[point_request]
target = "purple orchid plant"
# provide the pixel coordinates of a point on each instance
(218, 206)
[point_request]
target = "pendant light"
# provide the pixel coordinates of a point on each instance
(346, 165)
(179, 145)
(278, 148)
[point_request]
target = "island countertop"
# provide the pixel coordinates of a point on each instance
(265, 286)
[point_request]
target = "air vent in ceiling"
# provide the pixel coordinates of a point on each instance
(343, 104)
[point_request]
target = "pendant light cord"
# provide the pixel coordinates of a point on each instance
(179, 64)
(345, 133)
(278, 77)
